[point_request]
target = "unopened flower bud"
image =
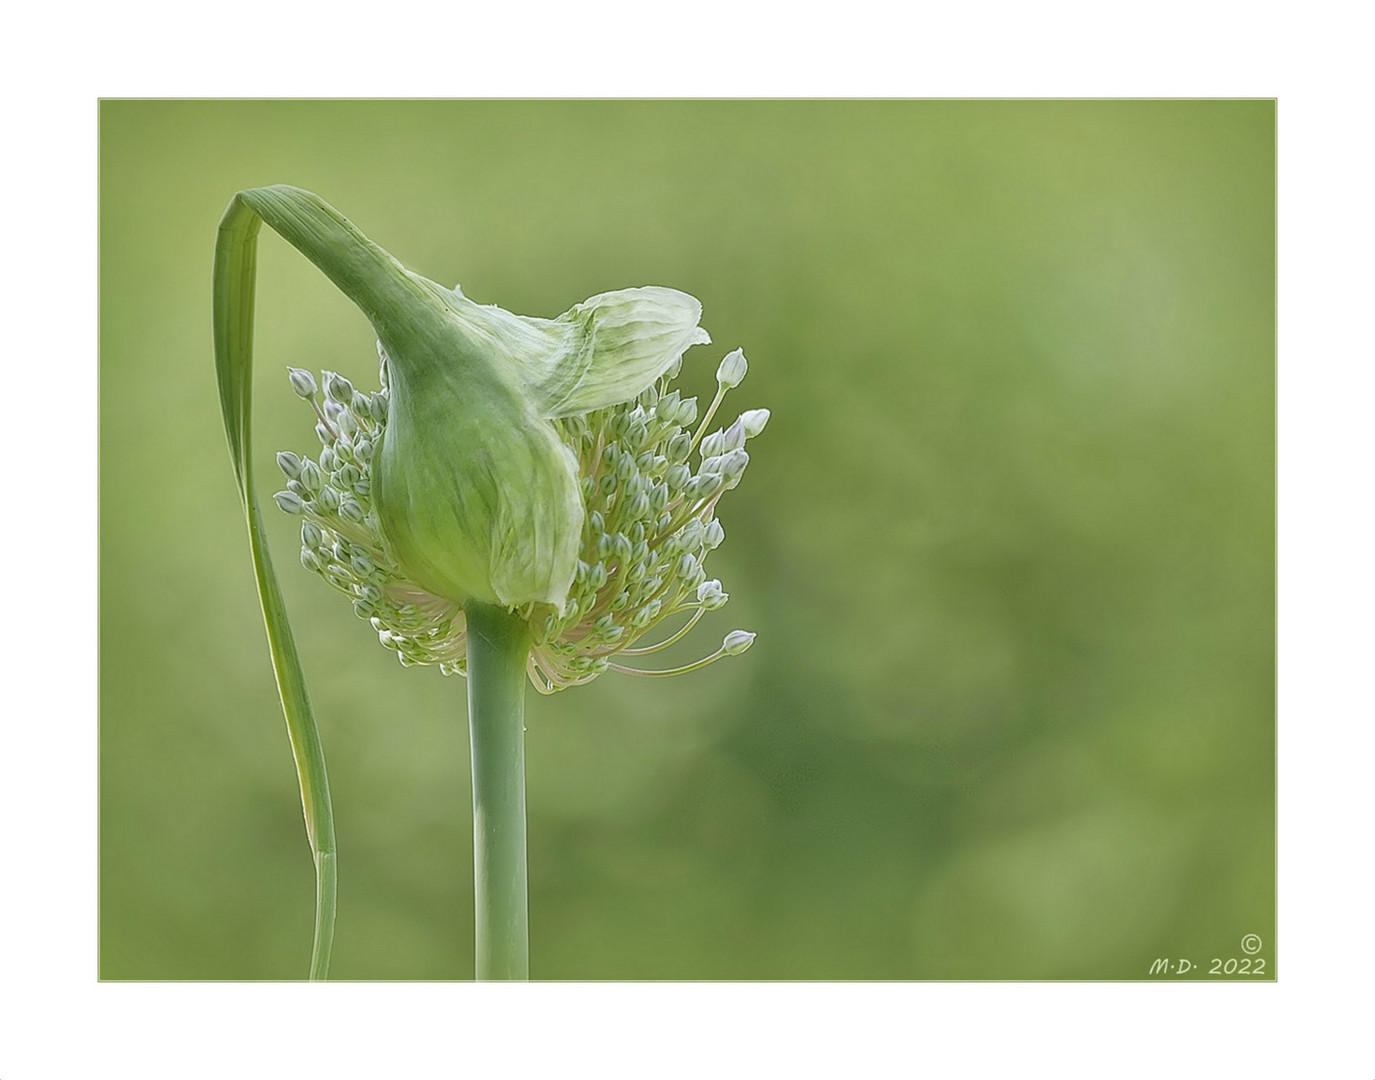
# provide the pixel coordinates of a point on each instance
(302, 381)
(753, 421)
(338, 388)
(711, 596)
(713, 444)
(289, 463)
(311, 476)
(290, 502)
(679, 447)
(737, 641)
(733, 438)
(733, 464)
(350, 510)
(732, 369)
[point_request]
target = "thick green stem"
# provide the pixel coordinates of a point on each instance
(498, 648)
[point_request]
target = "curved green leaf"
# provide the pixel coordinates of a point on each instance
(234, 276)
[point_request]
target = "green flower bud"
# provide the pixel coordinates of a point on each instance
(538, 464)
(710, 596)
(303, 382)
(753, 421)
(732, 370)
(474, 489)
(338, 388)
(290, 502)
(290, 464)
(733, 464)
(737, 641)
(311, 476)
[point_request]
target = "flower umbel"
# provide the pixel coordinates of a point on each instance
(649, 478)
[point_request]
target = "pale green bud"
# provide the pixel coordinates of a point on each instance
(732, 370)
(737, 641)
(714, 534)
(677, 477)
(302, 381)
(679, 447)
(328, 499)
(350, 510)
(714, 444)
(311, 536)
(290, 502)
(338, 388)
(733, 464)
(647, 614)
(733, 438)
(710, 596)
(289, 463)
(311, 476)
(704, 486)
(753, 421)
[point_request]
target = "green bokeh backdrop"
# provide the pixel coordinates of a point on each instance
(1008, 544)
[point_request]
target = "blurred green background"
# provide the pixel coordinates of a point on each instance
(1008, 544)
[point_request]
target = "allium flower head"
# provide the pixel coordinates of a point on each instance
(634, 526)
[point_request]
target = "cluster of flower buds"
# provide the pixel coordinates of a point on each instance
(651, 477)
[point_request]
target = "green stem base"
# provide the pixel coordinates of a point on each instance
(498, 648)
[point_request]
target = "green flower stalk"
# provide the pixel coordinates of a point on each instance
(521, 498)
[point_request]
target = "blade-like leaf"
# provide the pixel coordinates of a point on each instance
(234, 276)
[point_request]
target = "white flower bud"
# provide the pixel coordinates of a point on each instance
(289, 463)
(732, 370)
(290, 502)
(338, 388)
(714, 444)
(733, 438)
(737, 641)
(753, 421)
(302, 381)
(733, 464)
(647, 614)
(710, 595)
(677, 477)
(714, 534)
(311, 476)
(679, 447)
